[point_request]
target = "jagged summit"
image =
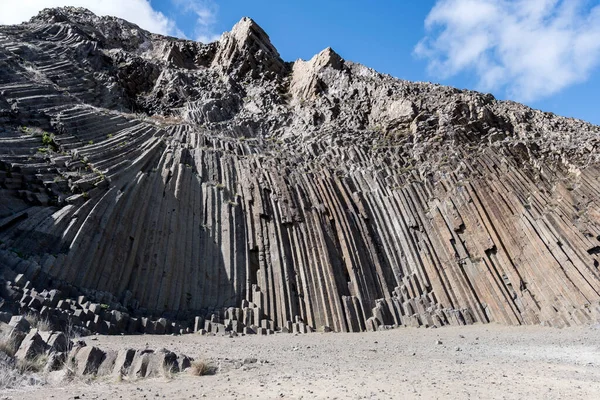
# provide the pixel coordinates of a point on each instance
(247, 30)
(83, 18)
(166, 177)
(248, 49)
(63, 14)
(305, 81)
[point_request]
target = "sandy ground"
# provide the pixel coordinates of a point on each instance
(478, 362)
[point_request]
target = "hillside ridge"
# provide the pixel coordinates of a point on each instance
(222, 187)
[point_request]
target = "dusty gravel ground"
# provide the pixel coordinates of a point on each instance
(478, 362)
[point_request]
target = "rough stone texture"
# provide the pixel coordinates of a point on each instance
(5, 317)
(161, 361)
(32, 346)
(175, 179)
(19, 323)
(123, 361)
(56, 341)
(88, 360)
(56, 361)
(108, 364)
(76, 358)
(139, 365)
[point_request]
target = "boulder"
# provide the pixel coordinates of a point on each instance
(5, 317)
(139, 365)
(123, 361)
(133, 326)
(198, 323)
(161, 361)
(56, 341)
(108, 364)
(160, 326)
(32, 346)
(119, 320)
(88, 360)
(184, 362)
(56, 361)
(19, 323)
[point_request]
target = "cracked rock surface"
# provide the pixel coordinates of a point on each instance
(184, 179)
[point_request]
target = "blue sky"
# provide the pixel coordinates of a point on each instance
(544, 53)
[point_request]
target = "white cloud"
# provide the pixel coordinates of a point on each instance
(205, 13)
(529, 48)
(139, 12)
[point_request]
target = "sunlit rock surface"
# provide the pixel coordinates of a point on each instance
(185, 179)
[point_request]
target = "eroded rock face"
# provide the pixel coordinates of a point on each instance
(186, 179)
(247, 50)
(305, 81)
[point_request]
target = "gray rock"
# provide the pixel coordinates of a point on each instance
(108, 364)
(56, 341)
(139, 365)
(160, 362)
(19, 323)
(5, 317)
(88, 360)
(56, 361)
(32, 346)
(392, 198)
(198, 324)
(124, 361)
(184, 362)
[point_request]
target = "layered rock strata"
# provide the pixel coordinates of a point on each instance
(186, 179)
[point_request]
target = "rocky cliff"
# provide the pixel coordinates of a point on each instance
(178, 178)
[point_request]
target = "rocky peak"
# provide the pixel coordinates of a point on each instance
(247, 50)
(305, 81)
(109, 32)
(327, 58)
(64, 14)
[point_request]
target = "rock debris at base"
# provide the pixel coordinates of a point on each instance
(61, 359)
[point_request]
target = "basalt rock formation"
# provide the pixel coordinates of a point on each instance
(60, 359)
(182, 179)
